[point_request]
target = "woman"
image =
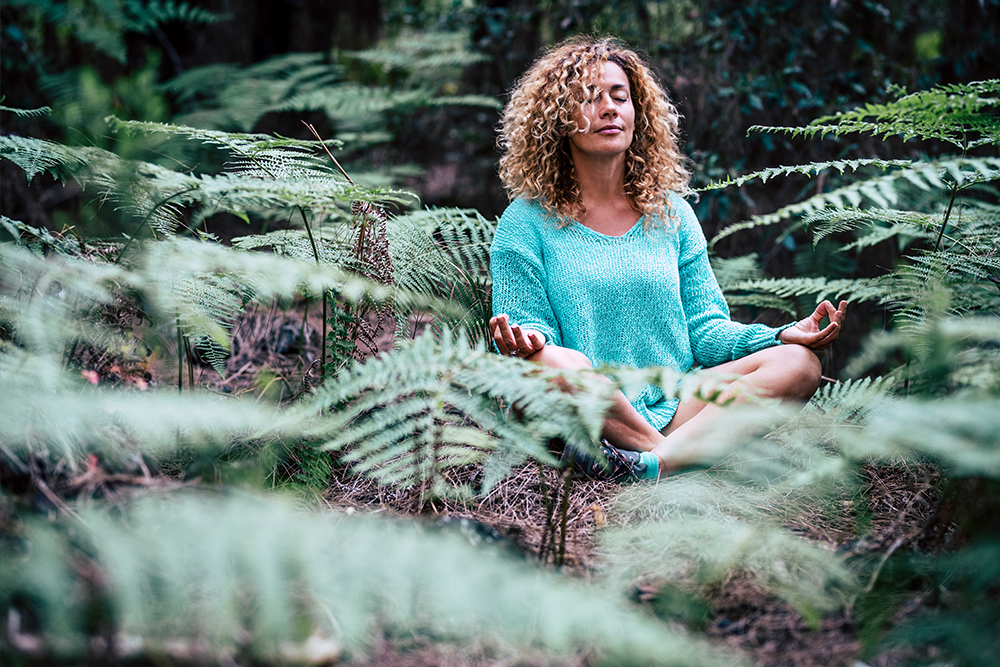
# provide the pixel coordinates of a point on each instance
(598, 259)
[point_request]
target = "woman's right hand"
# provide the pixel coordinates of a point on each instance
(512, 340)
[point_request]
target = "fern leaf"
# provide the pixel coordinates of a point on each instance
(938, 175)
(696, 531)
(445, 253)
(822, 288)
(246, 576)
(811, 169)
(26, 113)
(397, 416)
(954, 113)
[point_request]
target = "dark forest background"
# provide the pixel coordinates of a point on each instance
(728, 65)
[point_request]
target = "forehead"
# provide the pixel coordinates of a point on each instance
(613, 76)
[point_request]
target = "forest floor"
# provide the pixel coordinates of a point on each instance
(901, 514)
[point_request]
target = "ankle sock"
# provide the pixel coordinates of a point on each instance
(652, 465)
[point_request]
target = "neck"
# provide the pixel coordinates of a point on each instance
(602, 191)
(601, 178)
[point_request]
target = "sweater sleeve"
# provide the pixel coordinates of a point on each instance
(715, 338)
(518, 271)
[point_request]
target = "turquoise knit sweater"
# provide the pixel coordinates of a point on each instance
(646, 298)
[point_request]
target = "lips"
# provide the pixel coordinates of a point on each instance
(608, 129)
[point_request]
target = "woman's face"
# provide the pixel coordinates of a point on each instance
(606, 122)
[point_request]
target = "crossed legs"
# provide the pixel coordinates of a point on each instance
(789, 372)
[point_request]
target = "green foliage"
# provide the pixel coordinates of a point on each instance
(407, 75)
(939, 348)
(254, 578)
(958, 114)
(696, 532)
(26, 113)
(103, 24)
(445, 253)
(247, 577)
(406, 418)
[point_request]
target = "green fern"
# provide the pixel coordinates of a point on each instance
(958, 114)
(694, 532)
(102, 24)
(26, 113)
(230, 97)
(406, 418)
(248, 577)
(942, 175)
(781, 292)
(445, 253)
(811, 169)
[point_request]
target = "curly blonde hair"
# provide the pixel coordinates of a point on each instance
(539, 118)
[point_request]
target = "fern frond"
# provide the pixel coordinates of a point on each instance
(955, 113)
(270, 276)
(103, 25)
(49, 414)
(942, 175)
(241, 576)
(40, 240)
(788, 288)
(50, 303)
(144, 16)
(404, 418)
(445, 253)
(332, 249)
(694, 531)
(37, 156)
(261, 154)
(732, 270)
(26, 113)
(810, 170)
(827, 221)
(209, 307)
(852, 401)
(229, 96)
(961, 433)
(419, 52)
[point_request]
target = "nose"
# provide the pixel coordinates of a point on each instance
(607, 108)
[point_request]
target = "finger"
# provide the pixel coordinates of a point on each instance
(520, 339)
(500, 329)
(841, 312)
(508, 336)
(824, 309)
(537, 341)
(501, 345)
(825, 338)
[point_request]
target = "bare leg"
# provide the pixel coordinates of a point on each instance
(790, 372)
(623, 427)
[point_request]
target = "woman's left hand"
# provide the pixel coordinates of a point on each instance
(807, 332)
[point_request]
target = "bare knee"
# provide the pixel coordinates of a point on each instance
(803, 371)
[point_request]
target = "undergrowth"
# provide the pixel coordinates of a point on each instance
(229, 558)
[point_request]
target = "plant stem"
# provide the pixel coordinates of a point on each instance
(190, 360)
(564, 516)
(180, 359)
(315, 249)
(320, 140)
(146, 220)
(549, 528)
(951, 202)
(305, 324)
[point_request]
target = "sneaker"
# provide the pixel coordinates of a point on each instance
(622, 465)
